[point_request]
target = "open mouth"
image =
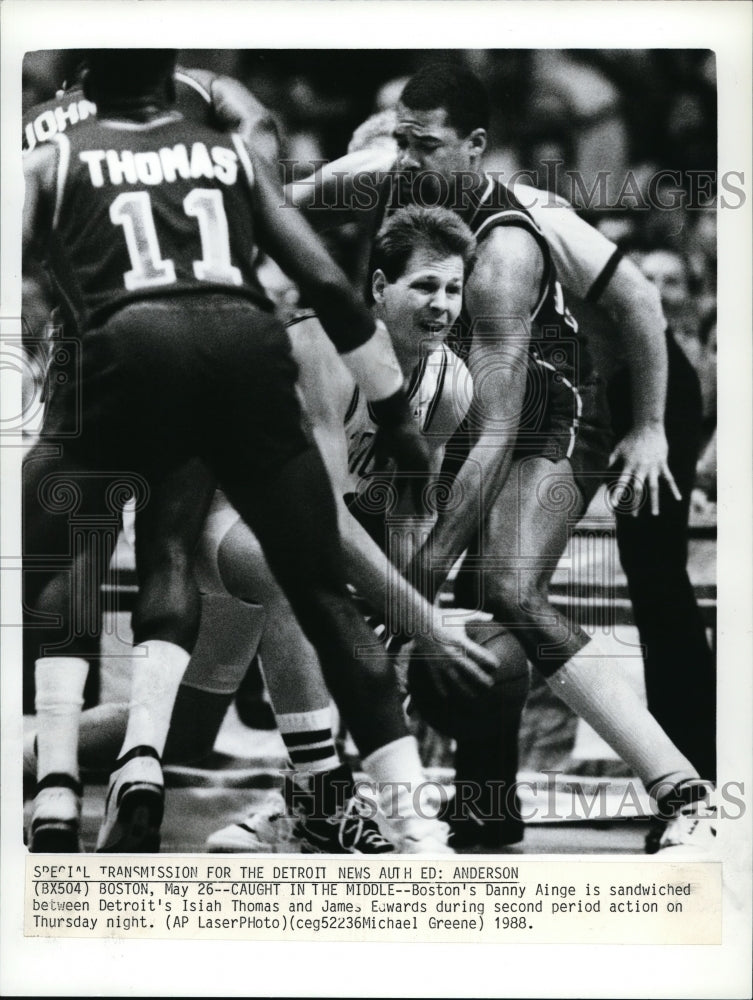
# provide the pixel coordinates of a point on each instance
(433, 327)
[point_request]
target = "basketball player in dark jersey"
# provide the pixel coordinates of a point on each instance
(522, 510)
(623, 320)
(220, 102)
(180, 357)
(235, 626)
(524, 479)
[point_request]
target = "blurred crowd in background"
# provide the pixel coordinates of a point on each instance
(643, 119)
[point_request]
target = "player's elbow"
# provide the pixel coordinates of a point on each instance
(648, 299)
(634, 298)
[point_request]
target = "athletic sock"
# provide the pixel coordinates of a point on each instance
(60, 684)
(320, 795)
(593, 688)
(309, 740)
(158, 669)
(403, 793)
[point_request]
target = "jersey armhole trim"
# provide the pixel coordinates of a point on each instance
(509, 217)
(352, 405)
(64, 158)
(595, 291)
(521, 220)
(190, 82)
(243, 156)
(432, 409)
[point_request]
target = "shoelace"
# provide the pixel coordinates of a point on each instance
(351, 823)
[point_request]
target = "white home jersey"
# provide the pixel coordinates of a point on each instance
(440, 394)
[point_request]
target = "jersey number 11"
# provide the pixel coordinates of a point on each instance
(133, 211)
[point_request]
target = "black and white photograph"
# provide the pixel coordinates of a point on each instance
(369, 484)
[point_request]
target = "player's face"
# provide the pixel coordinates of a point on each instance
(426, 142)
(424, 302)
(667, 272)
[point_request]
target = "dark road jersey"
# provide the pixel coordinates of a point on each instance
(554, 340)
(158, 208)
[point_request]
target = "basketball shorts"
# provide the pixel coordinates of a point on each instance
(558, 420)
(164, 379)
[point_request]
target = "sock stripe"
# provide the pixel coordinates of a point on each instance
(303, 739)
(317, 753)
(59, 780)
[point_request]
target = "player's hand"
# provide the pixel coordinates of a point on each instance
(455, 662)
(643, 456)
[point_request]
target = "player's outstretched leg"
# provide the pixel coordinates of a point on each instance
(575, 667)
(293, 515)
(66, 552)
(318, 784)
(165, 626)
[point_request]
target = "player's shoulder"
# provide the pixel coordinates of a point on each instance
(195, 81)
(213, 89)
(533, 198)
(508, 242)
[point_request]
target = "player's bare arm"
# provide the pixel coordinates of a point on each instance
(363, 343)
(580, 253)
(40, 167)
(342, 191)
(326, 388)
(500, 296)
(237, 110)
(634, 304)
(286, 235)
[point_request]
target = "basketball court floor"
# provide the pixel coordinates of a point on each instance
(245, 766)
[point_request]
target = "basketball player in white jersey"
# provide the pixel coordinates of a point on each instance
(419, 263)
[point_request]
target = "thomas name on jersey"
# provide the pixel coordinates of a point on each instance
(165, 165)
(51, 121)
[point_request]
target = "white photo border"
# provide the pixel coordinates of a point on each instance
(82, 967)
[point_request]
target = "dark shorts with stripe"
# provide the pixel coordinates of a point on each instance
(558, 420)
(164, 379)
(561, 420)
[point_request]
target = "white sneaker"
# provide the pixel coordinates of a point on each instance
(692, 831)
(266, 830)
(135, 804)
(416, 830)
(56, 816)
(425, 837)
